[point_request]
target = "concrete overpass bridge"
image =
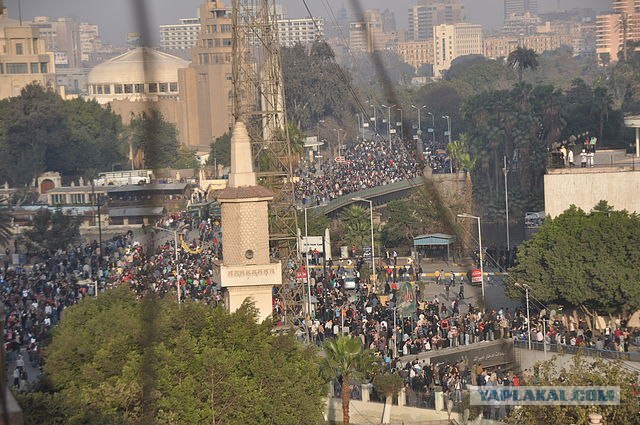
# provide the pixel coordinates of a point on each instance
(380, 195)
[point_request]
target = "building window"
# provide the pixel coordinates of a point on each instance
(117, 88)
(34, 68)
(77, 198)
(1, 68)
(107, 89)
(164, 87)
(98, 89)
(57, 199)
(138, 88)
(19, 50)
(128, 88)
(173, 87)
(217, 42)
(226, 42)
(17, 68)
(43, 68)
(225, 28)
(35, 46)
(153, 87)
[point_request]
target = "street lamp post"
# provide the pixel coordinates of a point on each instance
(526, 291)
(175, 242)
(448, 118)
(419, 121)
(388, 122)
(306, 256)
(373, 255)
(481, 254)
(338, 130)
(401, 124)
(375, 120)
(505, 171)
(433, 127)
(318, 128)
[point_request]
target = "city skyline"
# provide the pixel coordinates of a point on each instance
(488, 13)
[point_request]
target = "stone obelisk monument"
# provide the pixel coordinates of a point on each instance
(246, 271)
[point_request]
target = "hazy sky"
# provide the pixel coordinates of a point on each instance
(117, 17)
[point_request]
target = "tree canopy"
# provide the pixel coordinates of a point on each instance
(584, 259)
(42, 132)
(582, 372)
(53, 230)
(207, 366)
(315, 85)
(157, 139)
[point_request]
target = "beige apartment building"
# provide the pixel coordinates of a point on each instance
(497, 47)
(415, 53)
(23, 57)
(454, 40)
(369, 35)
(206, 84)
(609, 29)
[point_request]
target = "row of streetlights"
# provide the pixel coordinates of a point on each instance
(433, 120)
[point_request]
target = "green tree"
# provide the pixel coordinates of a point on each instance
(34, 134)
(209, 366)
(356, 225)
(522, 59)
(186, 159)
(388, 385)
(316, 86)
(582, 372)
(346, 360)
(584, 260)
(316, 222)
(412, 216)
(53, 231)
(156, 138)
(220, 150)
(43, 132)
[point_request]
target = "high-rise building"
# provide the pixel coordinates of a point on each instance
(615, 29)
(90, 41)
(521, 24)
(62, 37)
(520, 7)
(429, 13)
(205, 86)
(180, 36)
(451, 41)
(24, 58)
(299, 31)
(368, 35)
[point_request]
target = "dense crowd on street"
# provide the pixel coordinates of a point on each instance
(35, 296)
(367, 163)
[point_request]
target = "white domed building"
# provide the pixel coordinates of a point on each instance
(139, 74)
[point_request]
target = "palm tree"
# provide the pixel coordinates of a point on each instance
(5, 222)
(459, 150)
(356, 225)
(346, 359)
(522, 59)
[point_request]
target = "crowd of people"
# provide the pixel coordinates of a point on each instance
(365, 164)
(35, 296)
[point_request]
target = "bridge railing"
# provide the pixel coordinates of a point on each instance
(633, 356)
